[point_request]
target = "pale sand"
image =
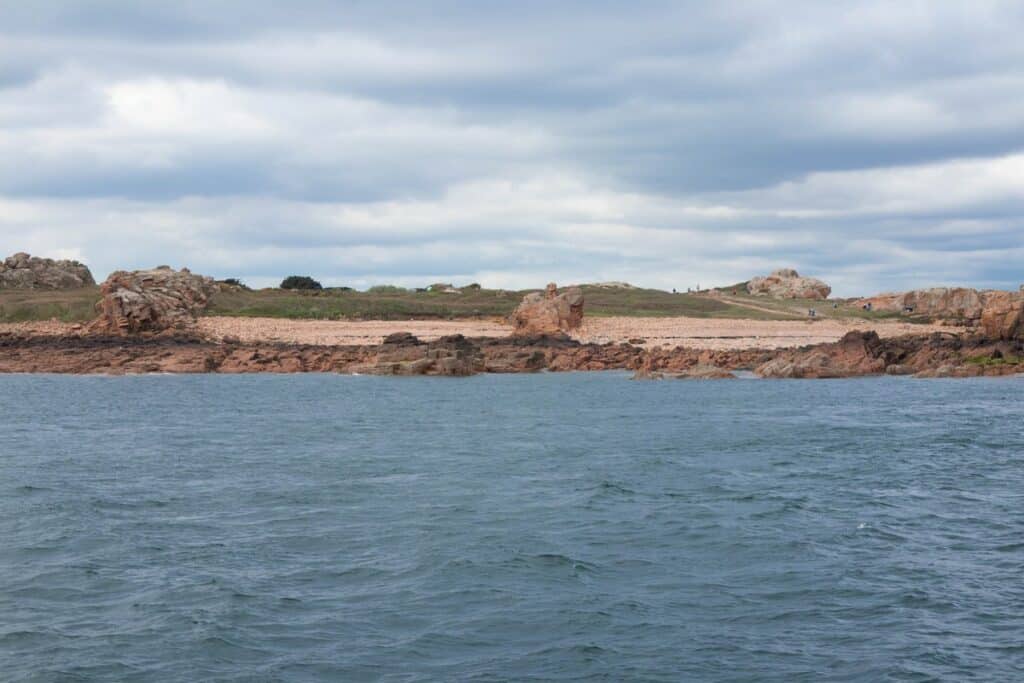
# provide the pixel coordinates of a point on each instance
(724, 333)
(707, 333)
(702, 333)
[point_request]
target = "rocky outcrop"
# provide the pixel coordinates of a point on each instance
(951, 303)
(404, 354)
(786, 283)
(1002, 317)
(549, 312)
(151, 301)
(934, 355)
(859, 353)
(856, 354)
(22, 271)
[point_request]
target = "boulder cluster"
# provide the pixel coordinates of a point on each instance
(22, 271)
(150, 301)
(549, 312)
(999, 314)
(786, 283)
(959, 303)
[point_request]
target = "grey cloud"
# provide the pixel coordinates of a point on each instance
(656, 113)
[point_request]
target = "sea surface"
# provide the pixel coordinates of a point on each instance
(566, 527)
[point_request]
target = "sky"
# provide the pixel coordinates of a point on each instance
(877, 145)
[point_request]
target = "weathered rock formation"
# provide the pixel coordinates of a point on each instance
(786, 283)
(857, 353)
(549, 312)
(864, 353)
(150, 301)
(1002, 318)
(404, 354)
(22, 271)
(953, 303)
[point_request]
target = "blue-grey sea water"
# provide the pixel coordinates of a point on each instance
(567, 527)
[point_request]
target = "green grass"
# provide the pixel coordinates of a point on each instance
(394, 303)
(71, 305)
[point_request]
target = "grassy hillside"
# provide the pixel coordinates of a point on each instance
(397, 304)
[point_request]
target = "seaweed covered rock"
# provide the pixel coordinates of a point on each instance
(786, 283)
(150, 301)
(22, 271)
(549, 312)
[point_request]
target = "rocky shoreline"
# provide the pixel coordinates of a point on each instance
(402, 354)
(148, 322)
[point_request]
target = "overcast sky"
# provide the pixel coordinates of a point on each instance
(878, 145)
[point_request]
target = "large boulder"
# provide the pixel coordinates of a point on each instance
(1002, 318)
(549, 312)
(22, 271)
(145, 301)
(786, 283)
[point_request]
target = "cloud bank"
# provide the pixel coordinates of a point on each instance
(878, 145)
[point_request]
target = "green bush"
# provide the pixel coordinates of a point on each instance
(387, 289)
(300, 282)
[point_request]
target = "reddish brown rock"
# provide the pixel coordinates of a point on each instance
(786, 283)
(549, 312)
(1003, 316)
(856, 354)
(404, 354)
(151, 301)
(953, 303)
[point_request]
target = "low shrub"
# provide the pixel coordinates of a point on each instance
(300, 282)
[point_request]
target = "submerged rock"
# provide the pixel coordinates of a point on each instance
(699, 371)
(22, 271)
(786, 283)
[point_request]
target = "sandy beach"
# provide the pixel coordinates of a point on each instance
(700, 333)
(705, 333)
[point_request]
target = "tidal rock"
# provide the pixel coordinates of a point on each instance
(786, 283)
(404, 354)
(549, 312)
(148, 301)
(856, 354)
(699, 371)
(22, 271)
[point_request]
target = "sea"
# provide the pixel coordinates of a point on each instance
(550, 527)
